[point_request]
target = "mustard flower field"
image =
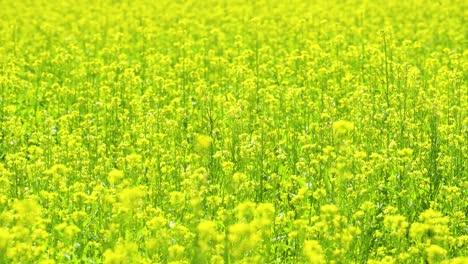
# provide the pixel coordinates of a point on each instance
(233, 131)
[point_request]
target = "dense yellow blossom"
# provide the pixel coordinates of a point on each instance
(237, 131)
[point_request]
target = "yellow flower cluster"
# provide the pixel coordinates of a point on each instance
(237, 131)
